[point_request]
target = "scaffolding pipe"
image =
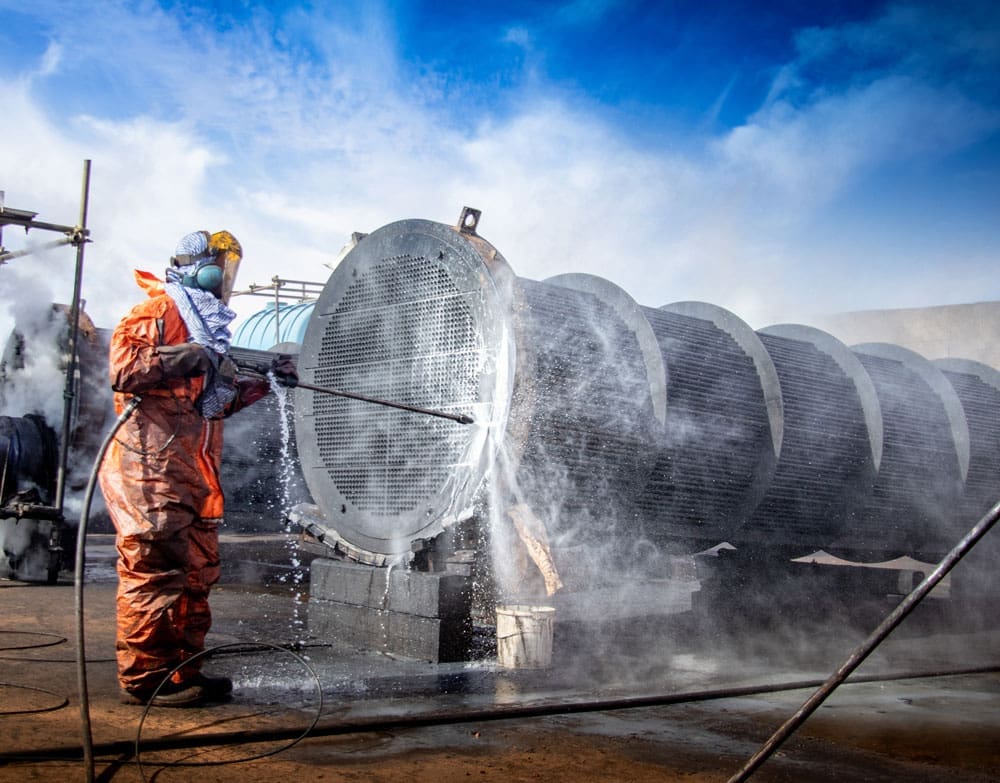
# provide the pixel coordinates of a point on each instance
(277, 309)
(69, 393)
(12, 254)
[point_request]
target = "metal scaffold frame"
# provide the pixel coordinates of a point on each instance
(281, 290)
(77, 235)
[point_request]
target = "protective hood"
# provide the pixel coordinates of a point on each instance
(208, 262)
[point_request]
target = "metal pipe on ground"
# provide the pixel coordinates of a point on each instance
(124, 749)
(877, 636)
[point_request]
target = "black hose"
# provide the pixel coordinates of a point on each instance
(81, 538)
(237, 648)
(907, 605)
(52, 708)
(56, 640)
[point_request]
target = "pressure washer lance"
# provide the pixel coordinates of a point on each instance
(292, 383)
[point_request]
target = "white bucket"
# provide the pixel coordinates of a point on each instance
(524, 636)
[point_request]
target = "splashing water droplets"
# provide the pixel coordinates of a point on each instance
(286, 473)
(286, 462)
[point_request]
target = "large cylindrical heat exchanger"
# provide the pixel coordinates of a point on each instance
(617, 424)
(613, 422)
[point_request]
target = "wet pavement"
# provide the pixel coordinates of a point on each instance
(638, 698)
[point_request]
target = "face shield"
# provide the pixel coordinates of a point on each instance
(227, 253)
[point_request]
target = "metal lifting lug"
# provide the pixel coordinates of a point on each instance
(468, 221)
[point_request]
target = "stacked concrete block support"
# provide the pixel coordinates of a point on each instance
(424, 616)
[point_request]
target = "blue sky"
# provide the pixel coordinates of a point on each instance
(776, 159)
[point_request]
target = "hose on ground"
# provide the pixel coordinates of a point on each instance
(87, 737)
(237, 648)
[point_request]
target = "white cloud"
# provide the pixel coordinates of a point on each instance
(149, 181)
(806, 155)
(50, 61)
(938, 43)
(294, 154)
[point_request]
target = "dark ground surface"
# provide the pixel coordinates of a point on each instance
(941, 728)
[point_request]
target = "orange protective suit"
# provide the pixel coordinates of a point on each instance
(160, 480)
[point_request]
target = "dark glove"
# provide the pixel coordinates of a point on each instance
(227, 370)
(225, 373)
(184, 361)
(283, 367)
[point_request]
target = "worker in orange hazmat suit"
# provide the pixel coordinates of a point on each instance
(160, 477)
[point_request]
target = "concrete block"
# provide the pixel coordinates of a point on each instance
(430, 639)
(392, 589)
(349, 583)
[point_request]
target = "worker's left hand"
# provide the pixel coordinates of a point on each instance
(227, 370)
(185, 360)
(283, 367)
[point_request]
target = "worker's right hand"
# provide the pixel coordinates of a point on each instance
(184, 361)
(283, 367)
